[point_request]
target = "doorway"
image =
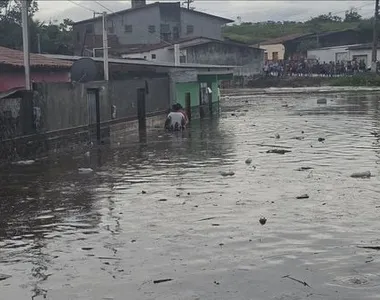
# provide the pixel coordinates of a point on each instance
(93, 115)
(188, 105)
(141, 109)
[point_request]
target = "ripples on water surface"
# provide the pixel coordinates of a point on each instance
(160, 209)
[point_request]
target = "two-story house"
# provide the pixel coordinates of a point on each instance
(146, 24)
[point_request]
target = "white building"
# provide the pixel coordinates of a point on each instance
(343, 53)
(327, 54)
(363, 52)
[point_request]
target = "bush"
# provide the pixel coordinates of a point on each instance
(367, 79)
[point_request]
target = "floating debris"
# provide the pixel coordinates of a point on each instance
(278, 151)
(277, 136)
(297, 280)
(24, 162)
(4, 277)
(248, 161)
(87, 248)
(263, 221)
(321, 139)
(366, 174)
(85, 170)
(304, 196)
(304, 169)
(143, 192)
(322, 101)
(300, 138)
(228, 173)
(377, 248)
(162, 280)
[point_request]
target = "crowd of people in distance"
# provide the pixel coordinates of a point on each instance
(309, 67)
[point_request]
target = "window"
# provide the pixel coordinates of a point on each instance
(110, 27)
(151, 29)
(266, 56)
(165, 32)
(165, 28)
(275, 56)
(189, 29)
(90, 28)
(182, 59)
(175, 33)
(128, 28)
(153, 56)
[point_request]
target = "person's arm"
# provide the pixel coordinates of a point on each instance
(167, 122)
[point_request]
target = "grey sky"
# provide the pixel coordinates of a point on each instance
(249, 11)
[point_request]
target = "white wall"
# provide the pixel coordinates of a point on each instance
(367, 52)
(162, 55)
(328, 54)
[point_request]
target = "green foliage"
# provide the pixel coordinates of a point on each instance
(352, 15)
(253, 33)
(367, 79)
(55, 38)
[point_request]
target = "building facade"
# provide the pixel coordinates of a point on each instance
(42, 69)
(200, 50)
(359, 52)
(146, 24)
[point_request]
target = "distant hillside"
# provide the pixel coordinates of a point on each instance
(252, 33)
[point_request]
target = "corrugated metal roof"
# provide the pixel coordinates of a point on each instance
(139, 62)
(15, 58)
(362, 47)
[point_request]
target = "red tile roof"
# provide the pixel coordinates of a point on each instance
(15, 58)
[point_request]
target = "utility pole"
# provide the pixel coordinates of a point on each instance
(25, 43)
(39, 42)
(374, 45)
(105, 47)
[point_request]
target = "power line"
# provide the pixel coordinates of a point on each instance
(80, 5)
(102, 5)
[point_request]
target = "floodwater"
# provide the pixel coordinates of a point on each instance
(160, 209)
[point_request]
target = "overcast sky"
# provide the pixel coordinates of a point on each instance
(249, 10)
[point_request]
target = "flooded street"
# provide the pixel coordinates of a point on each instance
(160, 209)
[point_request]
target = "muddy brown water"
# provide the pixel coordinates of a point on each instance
(65, 235)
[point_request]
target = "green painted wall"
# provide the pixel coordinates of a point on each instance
(187, 87)
(212, 80)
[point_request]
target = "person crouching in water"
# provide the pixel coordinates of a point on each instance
(182, 111)
(175, 121)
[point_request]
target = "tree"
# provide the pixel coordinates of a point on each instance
(352, 15)
(10, 22)
(325, 18)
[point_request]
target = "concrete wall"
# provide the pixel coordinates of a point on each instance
(338, 53)
(227, 54)
(162, 55)
(366, 53)
(65, 105)
(140, 21)
(279, 48)
(187, 87)
(16, 79)
(203, 25)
